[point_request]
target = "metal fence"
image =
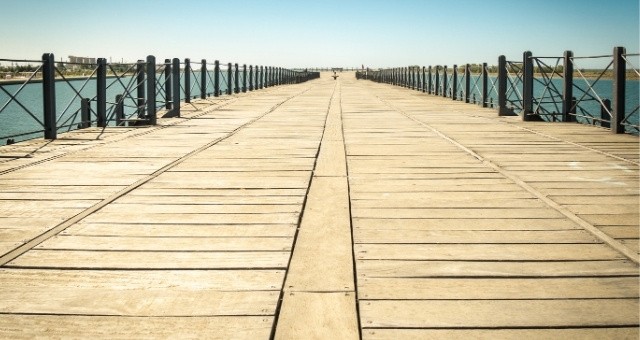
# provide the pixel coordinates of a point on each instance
(53, 97)
(541, 88)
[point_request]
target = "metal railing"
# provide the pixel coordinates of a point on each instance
(75, 96)
(537, 88)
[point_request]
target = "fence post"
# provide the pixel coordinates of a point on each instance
(467, 83)
(101, 93)
(502, 86)
(429, 81)
(203, 79)
(437, 89)
(85, 114)
(167, 84)
(485, 85)
(229, 78)
(260, 77)
(244, 78)
(151, 89)
(454, 86)
(236, 88)
(175, 68)
(49, 96)
(187, 80)
(119, 110)
(527, 86)
(424, 80)
(216, 78)
(444, 81)
(250, 77)
(567, 87)
(619, 74)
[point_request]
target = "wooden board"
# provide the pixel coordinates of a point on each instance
(318, 316)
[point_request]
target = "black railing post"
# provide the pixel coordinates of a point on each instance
(236, 88)
(430, 85)
(527, 86)
(101, 93)
(261, 77)
(250, 77)
(454, 86)
(467, 83)
(502, 86)
(244, 78)
(140, 90)
(437, 88)
(187, 80)
(119, 110)
(167, 84)
(203, 79)
(49, 96)
(485, 85)
(619, 74)
(444, 81)
(229, 78)
(567, 87)
(175, 69)
(85, 114)
(216, 78)
(151, 90)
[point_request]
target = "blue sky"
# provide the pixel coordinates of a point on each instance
(301, 33)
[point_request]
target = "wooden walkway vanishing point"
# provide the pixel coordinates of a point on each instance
(328, 209)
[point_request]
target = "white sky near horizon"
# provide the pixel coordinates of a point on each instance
(302, 33)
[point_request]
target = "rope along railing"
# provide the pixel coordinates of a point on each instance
(44, 97)
(556, 88)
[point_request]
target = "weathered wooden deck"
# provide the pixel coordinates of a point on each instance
(329, 209)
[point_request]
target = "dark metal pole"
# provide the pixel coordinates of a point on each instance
(567, 87)
(454, 86)
(101, 93)
(119, 110)
(236, 88)
(424, 80)
(216, 78)
(187, 80)
(467, 83)
(244, 78)
(250, 77)
(502, 86)
(49, 96)
(430, 87)
(527, 86)
(175, 68)
(485, 85)
(203, 79)
(151, 90)
(167, 84)
(229, 78)
(619, 74)
(85, 114)
(437, 80)
(444, 81)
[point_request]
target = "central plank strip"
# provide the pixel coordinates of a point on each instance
(319, 299)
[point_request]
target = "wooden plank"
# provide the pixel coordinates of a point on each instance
(318, 316)
(178, 218)
(136, 302)
(116, 207)
(463, 224)
(127, 327)
(181, 230)
(102, 243)
(486, 252)
(408, 213)
(150, 260)
(499, 313)
(322, 259)
(230, 280)
(628, 333)
(497, 288)
(331, 160)
(472, 236)
(460, 202)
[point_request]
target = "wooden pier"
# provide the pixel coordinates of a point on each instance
(336, 209)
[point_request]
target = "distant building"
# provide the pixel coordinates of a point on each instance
(80, 62)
